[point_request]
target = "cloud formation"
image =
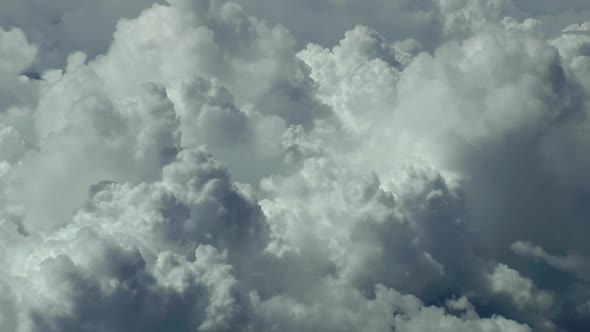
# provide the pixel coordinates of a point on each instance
(204, 165)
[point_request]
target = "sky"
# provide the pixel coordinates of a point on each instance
(294, 165)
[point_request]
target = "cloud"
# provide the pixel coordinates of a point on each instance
(508, 281)
(572, 262)
(202, 165)
(17, 55)
(66, 26)
(105, 286)
(353, 313)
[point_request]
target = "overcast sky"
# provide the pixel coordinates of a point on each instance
(294, 165)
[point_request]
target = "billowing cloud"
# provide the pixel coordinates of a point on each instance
(66, 26)
(204, 165)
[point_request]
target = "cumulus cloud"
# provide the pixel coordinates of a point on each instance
(204, 165)
(66, 26)
(522, 292)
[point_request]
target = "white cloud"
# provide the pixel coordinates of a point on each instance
(65, 26)
(92, 283)
(340, 309)
(520, 289)
(16, 56)
(572, 262)
(187, 166)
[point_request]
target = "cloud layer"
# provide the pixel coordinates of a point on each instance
(203, 165)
